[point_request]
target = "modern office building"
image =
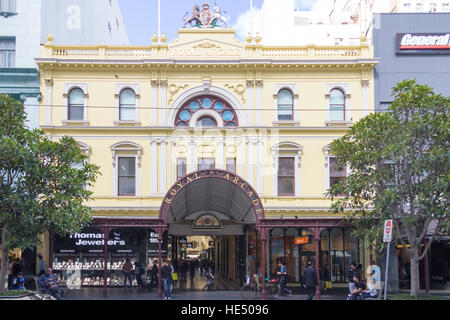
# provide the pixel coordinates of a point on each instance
(24, 23)
(414, 46)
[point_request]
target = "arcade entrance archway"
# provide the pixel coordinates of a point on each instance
(221, 205)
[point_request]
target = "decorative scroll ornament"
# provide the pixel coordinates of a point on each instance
(206, 18)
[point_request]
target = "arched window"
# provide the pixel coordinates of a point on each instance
(285, 105)
(76, 105)
(127, 105)
(206, 122)
(221, 110)
(337, 105)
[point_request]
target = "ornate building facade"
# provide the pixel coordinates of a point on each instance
(207, 135)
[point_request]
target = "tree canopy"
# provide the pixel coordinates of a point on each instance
(44, 184)
(400, 170)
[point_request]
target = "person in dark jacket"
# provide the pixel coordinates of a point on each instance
(352, 272)
(166, 275)
(154, 275)
(310, 280)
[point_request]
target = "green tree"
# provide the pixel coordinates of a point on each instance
(44, 184)
(400, 170)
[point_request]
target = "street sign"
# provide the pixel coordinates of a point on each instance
(302, 240)
(387, 237)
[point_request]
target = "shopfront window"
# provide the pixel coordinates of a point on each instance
(337, 255)
(292, 254)
(79, 258)
(276, 249)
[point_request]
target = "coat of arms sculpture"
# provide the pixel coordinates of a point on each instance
(206, 18)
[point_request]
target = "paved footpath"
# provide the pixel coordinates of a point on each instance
(145, 294)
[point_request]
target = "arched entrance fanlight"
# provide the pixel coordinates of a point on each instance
(224, 110)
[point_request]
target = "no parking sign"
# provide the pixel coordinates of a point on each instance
(387, 237)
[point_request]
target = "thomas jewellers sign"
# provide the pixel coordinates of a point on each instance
(423, 43)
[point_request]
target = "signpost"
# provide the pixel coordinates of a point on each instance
(387, 237)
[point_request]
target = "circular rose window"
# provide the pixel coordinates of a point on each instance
(226, 113)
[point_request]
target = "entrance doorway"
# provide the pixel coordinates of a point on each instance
(212, 212)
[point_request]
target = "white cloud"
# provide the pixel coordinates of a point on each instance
(243, 23)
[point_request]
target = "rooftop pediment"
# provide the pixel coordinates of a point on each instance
(206, 43)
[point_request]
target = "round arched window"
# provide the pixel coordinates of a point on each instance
(225, 112)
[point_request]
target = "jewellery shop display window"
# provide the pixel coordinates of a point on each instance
(79, 258)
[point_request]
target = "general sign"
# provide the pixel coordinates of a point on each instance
(423, 43)
(302, 240)
(388, 225)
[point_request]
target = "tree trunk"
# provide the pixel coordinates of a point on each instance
(415, 277)
(5, 263)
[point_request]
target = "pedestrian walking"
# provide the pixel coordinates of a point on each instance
(209, 280)
(126, 269)
(310, 280)
(42, 266)
(139, 271)
(154, 275)
(282, 274)
(192, 270)
(166, 274)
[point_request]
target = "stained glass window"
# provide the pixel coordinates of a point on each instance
(224, 110)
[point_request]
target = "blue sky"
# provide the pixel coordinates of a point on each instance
(141, 17)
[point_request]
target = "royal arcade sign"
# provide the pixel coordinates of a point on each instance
(214, 173)
(423, 43)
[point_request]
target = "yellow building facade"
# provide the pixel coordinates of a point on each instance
(151, 117)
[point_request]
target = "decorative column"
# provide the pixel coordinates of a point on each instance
(263, 262)
(163, 166)
(250, 106)
(220, 155)
(258, 92)
(316, 231)
(259, 170)
(274, 173)
(365, 97)
(154, 102)
(250, 162)
(241, 158)
(298, 164)
(163, 102)
(154, 167)
(48, 101)
(192, 155)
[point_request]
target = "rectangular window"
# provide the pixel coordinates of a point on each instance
(286, 176)
(8, 6)
(231, 165)
(181, 167)
(445, 7)
(433, 7)
(127, 176)
(336, 175)
(206, 163)
(418, 7)
(7, 52)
